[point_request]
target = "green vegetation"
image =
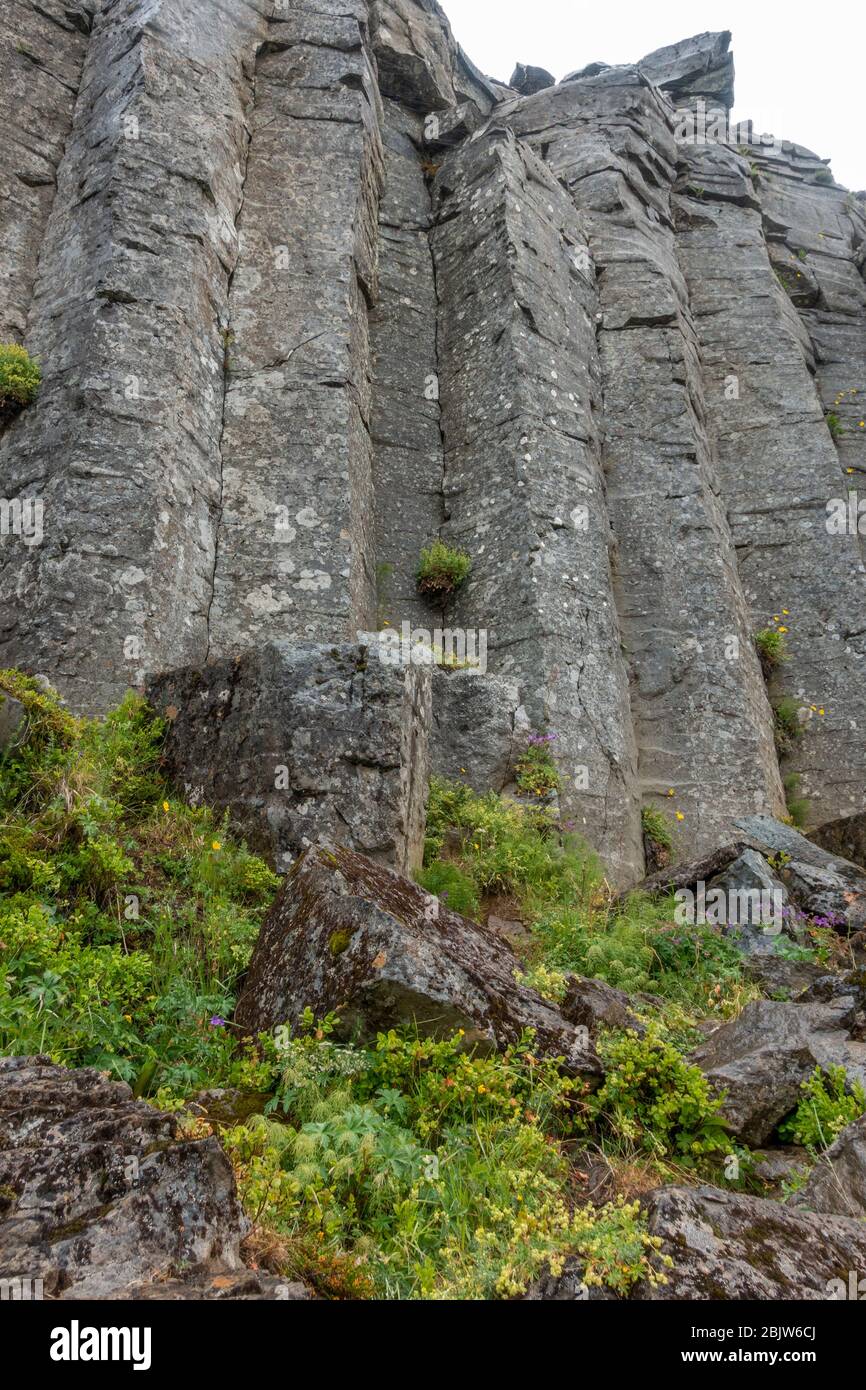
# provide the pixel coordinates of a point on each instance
(772, 649)
(413, 1168)
(19, 378)
(834, 424)
(125, 916)
(536, 773)
(654, 1098)
(828, 1104)
(787, 725)
(417, 1170)
(798, 806)
(556, 884)
(824, 176)
(442, 570)
(657, 828)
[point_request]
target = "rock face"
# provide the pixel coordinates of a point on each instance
(350, 935)
(99, 1195)
(300, 742)
(309, 291)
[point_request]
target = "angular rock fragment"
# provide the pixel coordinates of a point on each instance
(304, 742)
(100, 1192)
(822, 884)
(13, 719)
(760, 1061)
(350, 935)
(528, 80)
(837, 1183)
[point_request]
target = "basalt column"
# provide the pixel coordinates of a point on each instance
(779, 469)
(128, 321)
(702, 719)
(295, 546)
(524, 492)
(42, 48)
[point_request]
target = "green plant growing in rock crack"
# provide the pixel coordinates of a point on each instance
(442, 570)
(657, 828)
(20, 377)
(772, 648)
(834, 424)
(798, 806)
(787, 725)
(536, 773)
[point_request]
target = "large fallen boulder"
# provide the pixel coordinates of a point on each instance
(818, 883)
(350, 935)
(725, 1245)
(837, 1183)
(760, 1060)
(299, 741)
(822, 884)
(101, 1197)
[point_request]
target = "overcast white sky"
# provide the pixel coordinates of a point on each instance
(800, 68)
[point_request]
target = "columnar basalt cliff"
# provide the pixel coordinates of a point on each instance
(308, 291)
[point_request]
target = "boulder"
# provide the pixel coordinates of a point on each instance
(593, 1004)
(99, 1193)
(760, 1060)
(695, 68)
(728, 1246)
(725, 1245)
(781, 978)
(303, 741)
(350, 935)
(528, 80)
(837, 1183)
(822, 884)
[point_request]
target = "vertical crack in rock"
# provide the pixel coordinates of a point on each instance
(122, 445)
(525, 492)
(778, 466)
(295, 548)
(42, 48)
(702, 720)
(408, 465)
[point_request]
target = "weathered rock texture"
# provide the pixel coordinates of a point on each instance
(350, 936)
(309, 291)
(300, 742)
(98, 1192)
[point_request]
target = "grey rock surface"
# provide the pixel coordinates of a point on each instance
(308, 290)
(303, 742)
(42, 48)
(524, 490)
(725, 1245)
(350, 935)
(13, 720)
(728, 1246)
(760, 1060)
(837, 1183)
(100, 1193)
(479, 727)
